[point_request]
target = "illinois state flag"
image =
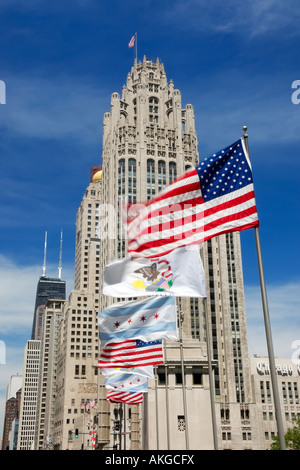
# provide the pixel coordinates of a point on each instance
(148, 319)
(178, 273)
(214, 198)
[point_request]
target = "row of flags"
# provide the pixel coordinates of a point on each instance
(164, 262)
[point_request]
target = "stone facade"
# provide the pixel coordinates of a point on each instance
(149, 139)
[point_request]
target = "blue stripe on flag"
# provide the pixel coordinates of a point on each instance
(139, 332)
(157, 302)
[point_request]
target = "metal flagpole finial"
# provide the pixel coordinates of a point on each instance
(245, 131)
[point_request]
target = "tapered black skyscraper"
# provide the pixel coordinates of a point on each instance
(47, 288)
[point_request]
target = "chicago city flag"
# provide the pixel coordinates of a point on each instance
(146, 371)
(126, 383)
(178, 273)
(214, 198)
(148, 319)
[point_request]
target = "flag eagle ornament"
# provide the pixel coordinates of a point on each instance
(149, 319)
(215, 197)
(179, 273)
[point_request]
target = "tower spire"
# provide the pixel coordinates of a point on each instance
(45, 255)
(60, 255)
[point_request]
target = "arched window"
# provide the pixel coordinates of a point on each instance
(153, 109)
(150, 178)
(172, 172)
(131, 180)
(161, 174)
(121, 177)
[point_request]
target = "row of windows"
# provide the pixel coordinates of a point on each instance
(290, 393)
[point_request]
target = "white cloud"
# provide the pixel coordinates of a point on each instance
(17, 292)
(284, 309)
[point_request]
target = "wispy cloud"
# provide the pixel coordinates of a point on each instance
(53, 108)
(284, 310)
(250, 19)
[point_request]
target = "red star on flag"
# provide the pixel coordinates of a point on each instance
(156, 315)
(143, 318)
(129, 321)
(117, 324)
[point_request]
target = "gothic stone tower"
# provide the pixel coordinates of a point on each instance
(148, 140)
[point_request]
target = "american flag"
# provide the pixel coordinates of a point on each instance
(215, 197)
(131, 353)
(123, 397)
(131, 42)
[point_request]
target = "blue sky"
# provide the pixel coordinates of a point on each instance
(235, 62)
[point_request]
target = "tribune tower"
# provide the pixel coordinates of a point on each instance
(149, 139)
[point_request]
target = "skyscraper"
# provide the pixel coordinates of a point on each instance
(47, 288)
(77, 375)
(149, 139)
(29, 397)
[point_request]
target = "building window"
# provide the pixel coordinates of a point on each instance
(153, 109)
(172, 172)
(121, 177)
(161, 174)
(132, 180)
(150, 178)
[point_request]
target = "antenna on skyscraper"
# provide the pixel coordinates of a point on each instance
(45, 254)
(60, 255)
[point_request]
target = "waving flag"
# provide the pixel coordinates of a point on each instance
(131, 42)
(146, 371)
(131, 353)
(214, 198)
(123, 397)
(178, 273)
(147, 319)
(126, 383)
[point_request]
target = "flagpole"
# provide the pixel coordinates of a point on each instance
(167, 396)
(183, 384)
(136, 46)
(268, 328)
(156, 410)
(211, 378)
(124, 417)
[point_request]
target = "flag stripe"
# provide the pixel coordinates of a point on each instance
(131, 353)
(214, 198)
(123, 397)
(149, 319)
(237, 221)
(196, 213)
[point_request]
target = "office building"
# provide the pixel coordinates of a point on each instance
(12, 410)
(47, 288)
(77, 374)
(51, 319)
(288, 378)
(29, 397)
